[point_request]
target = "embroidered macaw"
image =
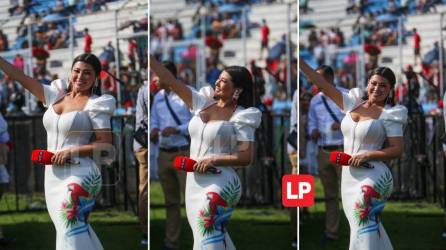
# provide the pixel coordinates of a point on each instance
(216, 209)
(76, 192)
(369, 193)
(214, 201)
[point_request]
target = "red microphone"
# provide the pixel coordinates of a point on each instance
(43, 157)
(341, 158)
(187, 164)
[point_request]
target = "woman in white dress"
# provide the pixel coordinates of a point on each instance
(369, 123)
(77, 122)
(222, 137)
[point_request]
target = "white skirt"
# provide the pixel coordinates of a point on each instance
(364, 195)
(70, 194)
(210, 201)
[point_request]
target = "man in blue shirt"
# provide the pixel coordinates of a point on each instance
(324, 123)
(169, 120)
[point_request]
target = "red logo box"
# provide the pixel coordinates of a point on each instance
(297, 190)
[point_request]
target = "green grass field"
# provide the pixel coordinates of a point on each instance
(249, 228)
(410, 225)
(116, 229)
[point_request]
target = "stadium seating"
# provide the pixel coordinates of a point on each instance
(101, 25)
(274, 13)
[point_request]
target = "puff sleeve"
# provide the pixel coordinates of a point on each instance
(52, 92)
(100, 110)
(201, 98)
(351, 99)
(246, 121)
(394, 120)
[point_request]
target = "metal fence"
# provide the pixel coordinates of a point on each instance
(420, 173)
(120, 178)
(262, 181)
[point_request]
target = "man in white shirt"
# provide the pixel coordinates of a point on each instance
(169, 120)
(324, 126)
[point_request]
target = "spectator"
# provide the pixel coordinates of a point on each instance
(4, 44)
(18, 62)
(212, 72)
(4, 176)
(141, 120)
(324, 126)
(108, 54)
(108, 79)
(303, 5)
(154, 150)
(132, 51)
(292, 154)
(416, 46)
(59, 7)
(444, 152)
(215, 46)
(87, 41)
(264, 32)
(312, 40)
(307, 148)
(259, 83)
(168, 122)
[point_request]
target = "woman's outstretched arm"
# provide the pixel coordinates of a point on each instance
(167, 80)
(31, 84)
(327, 88)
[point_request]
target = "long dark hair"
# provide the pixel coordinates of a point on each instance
(242, 79)
(94, 62)
(386, 73)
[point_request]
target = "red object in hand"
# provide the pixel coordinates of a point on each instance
(184, 163)
(187, 164)
(339, 158)
(42, 157)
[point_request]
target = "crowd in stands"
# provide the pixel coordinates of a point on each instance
(231, 1)
(220, 27)
(61, 7)
(50, 29)
(377, 22)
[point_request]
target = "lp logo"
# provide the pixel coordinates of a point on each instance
(297, 190)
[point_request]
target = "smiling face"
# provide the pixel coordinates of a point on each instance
(82, 77)
(224, 87)
(378, 89)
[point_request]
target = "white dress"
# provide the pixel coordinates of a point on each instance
(211, 198)
(365, 191)
(71, 190)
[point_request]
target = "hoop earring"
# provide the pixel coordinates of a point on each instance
(95, 86)
(236, 94)
(387, 100)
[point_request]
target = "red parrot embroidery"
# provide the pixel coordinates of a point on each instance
(214, 201)
(371, 202)
(369, 193)
(80, 201)
(76, 192)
